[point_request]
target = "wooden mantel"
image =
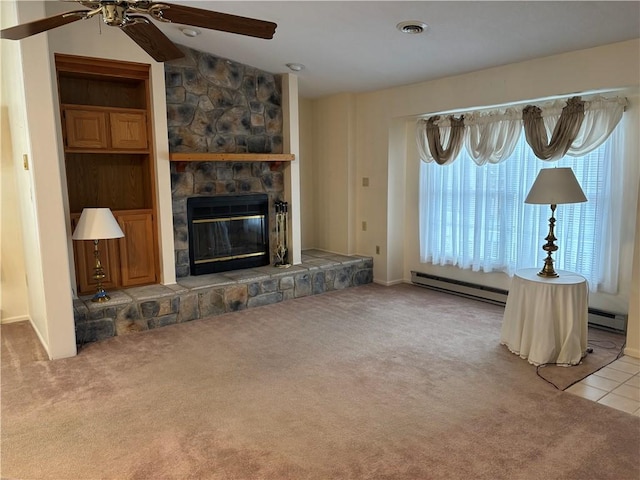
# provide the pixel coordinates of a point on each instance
(231, 157)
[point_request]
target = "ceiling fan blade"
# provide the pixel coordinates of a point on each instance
(217, 21)
(27, 29)
(152, 41)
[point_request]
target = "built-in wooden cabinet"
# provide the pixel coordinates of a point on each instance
(128, 130)
(127, 261)
(85, 129)
(137, 260)
(106, 112)
(104, 129)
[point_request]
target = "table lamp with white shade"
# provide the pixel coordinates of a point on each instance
(97, 224)
(554, 186)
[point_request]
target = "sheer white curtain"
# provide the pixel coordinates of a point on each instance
(492, 137)
(475, 217)
(601, 115)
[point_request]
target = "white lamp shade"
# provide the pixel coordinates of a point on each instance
(97, 224)
(554, 186)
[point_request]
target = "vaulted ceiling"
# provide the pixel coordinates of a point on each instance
(356, 47)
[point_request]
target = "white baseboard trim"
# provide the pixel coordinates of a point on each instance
(42, 342)
(388, 284)
(17, 318)
(632, 352)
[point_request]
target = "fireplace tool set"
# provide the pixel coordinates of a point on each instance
(282, 253)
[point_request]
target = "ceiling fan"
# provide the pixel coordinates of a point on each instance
(129, 16)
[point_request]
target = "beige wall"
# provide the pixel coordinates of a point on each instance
(33, 132)
(307, 196)
(14, 302)
(385, 152)
(333, 174)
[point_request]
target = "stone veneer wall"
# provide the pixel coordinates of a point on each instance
(190, 179)
(220, 106)
(217, 105)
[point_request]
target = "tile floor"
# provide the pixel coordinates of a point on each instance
(616, 385)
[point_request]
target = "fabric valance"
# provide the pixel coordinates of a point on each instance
(554, 129)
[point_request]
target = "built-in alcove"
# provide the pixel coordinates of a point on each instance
(107, 129)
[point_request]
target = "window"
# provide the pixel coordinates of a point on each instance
(475, 217)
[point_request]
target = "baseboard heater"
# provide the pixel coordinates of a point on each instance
(615, 322)
(457, 287)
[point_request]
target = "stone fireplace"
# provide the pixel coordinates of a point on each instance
(216, 105)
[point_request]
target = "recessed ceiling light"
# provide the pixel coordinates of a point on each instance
(296, 67)
(412, 27)
(190, 32)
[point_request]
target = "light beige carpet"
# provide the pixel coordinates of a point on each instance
(366, 383)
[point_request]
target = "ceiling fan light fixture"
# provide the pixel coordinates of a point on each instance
(190, 32)
(412, 27)
(114, 15)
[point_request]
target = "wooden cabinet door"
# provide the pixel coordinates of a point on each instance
(86, 129)
(85, 261)
(137, 252)
(128, 130)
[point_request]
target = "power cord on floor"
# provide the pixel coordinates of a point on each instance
(589, 350)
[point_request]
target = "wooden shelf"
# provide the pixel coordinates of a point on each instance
(99, 108)
(231, 157)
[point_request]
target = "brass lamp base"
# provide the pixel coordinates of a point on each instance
(547, 270)
(99, 275)
(549, 247)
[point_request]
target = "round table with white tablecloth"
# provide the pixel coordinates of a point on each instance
(545, 319)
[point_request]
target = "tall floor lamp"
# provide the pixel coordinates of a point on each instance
(554, 186)
(97, 224)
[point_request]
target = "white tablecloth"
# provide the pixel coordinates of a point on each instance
(545, 319)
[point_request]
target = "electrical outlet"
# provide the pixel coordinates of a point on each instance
(377, 249)
(365, 181)
(364, 226)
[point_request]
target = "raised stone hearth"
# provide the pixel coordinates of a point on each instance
(144, 308)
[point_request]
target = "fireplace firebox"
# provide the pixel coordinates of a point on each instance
(228, 232)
